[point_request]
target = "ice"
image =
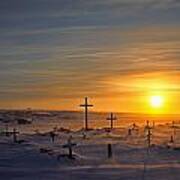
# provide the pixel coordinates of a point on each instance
(37, 157)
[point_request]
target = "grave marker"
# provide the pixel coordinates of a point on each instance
(109, 147)
(15, 132)
(112, 118)
(69, 145)
(86, 106)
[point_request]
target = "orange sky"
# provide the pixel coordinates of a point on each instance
(118, 53)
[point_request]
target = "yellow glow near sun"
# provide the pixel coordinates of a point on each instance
(156, 101)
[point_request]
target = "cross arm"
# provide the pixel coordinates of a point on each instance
(86, 105)
(111, 118)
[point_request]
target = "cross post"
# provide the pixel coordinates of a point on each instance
(112, 118)
(86, 106)
(7, 130)
(174, 132)
(109, 147)
(15, 132)
(149, 136)
(69, 146)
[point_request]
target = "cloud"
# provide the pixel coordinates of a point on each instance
(35, 14)
(50, 49)
(85, 61)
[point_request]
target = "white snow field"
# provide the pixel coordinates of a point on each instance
(36, 157)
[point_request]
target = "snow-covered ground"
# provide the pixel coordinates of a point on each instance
(37, 157)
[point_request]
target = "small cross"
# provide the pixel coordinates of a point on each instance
(7, 130)
(149, 137)
(15, 132)
(52, 135)
(69, 145)
(174, 131)
(147, 124)
(112, 118)
(86, 106)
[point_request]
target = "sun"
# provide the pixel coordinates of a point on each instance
(156, 101)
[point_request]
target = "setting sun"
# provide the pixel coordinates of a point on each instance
(156, 101)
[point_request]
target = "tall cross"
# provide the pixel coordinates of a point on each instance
(112, 118)
(86, 106)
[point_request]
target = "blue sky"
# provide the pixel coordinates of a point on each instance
(54, 52)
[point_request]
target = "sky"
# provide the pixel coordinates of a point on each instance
(53, 53)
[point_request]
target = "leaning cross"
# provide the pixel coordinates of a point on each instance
(86, 106)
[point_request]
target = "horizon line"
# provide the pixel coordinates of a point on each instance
(92, 111)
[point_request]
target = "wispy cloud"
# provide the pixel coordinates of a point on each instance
(68, 49)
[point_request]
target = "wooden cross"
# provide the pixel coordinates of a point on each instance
(70, 145)
(112, 118)
(149, 135)
(147, 124)
(148, 130)
(15, 132)
(52, 135)
(174, 131)
(86, 106)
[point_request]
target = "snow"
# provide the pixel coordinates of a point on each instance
(37, 157)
